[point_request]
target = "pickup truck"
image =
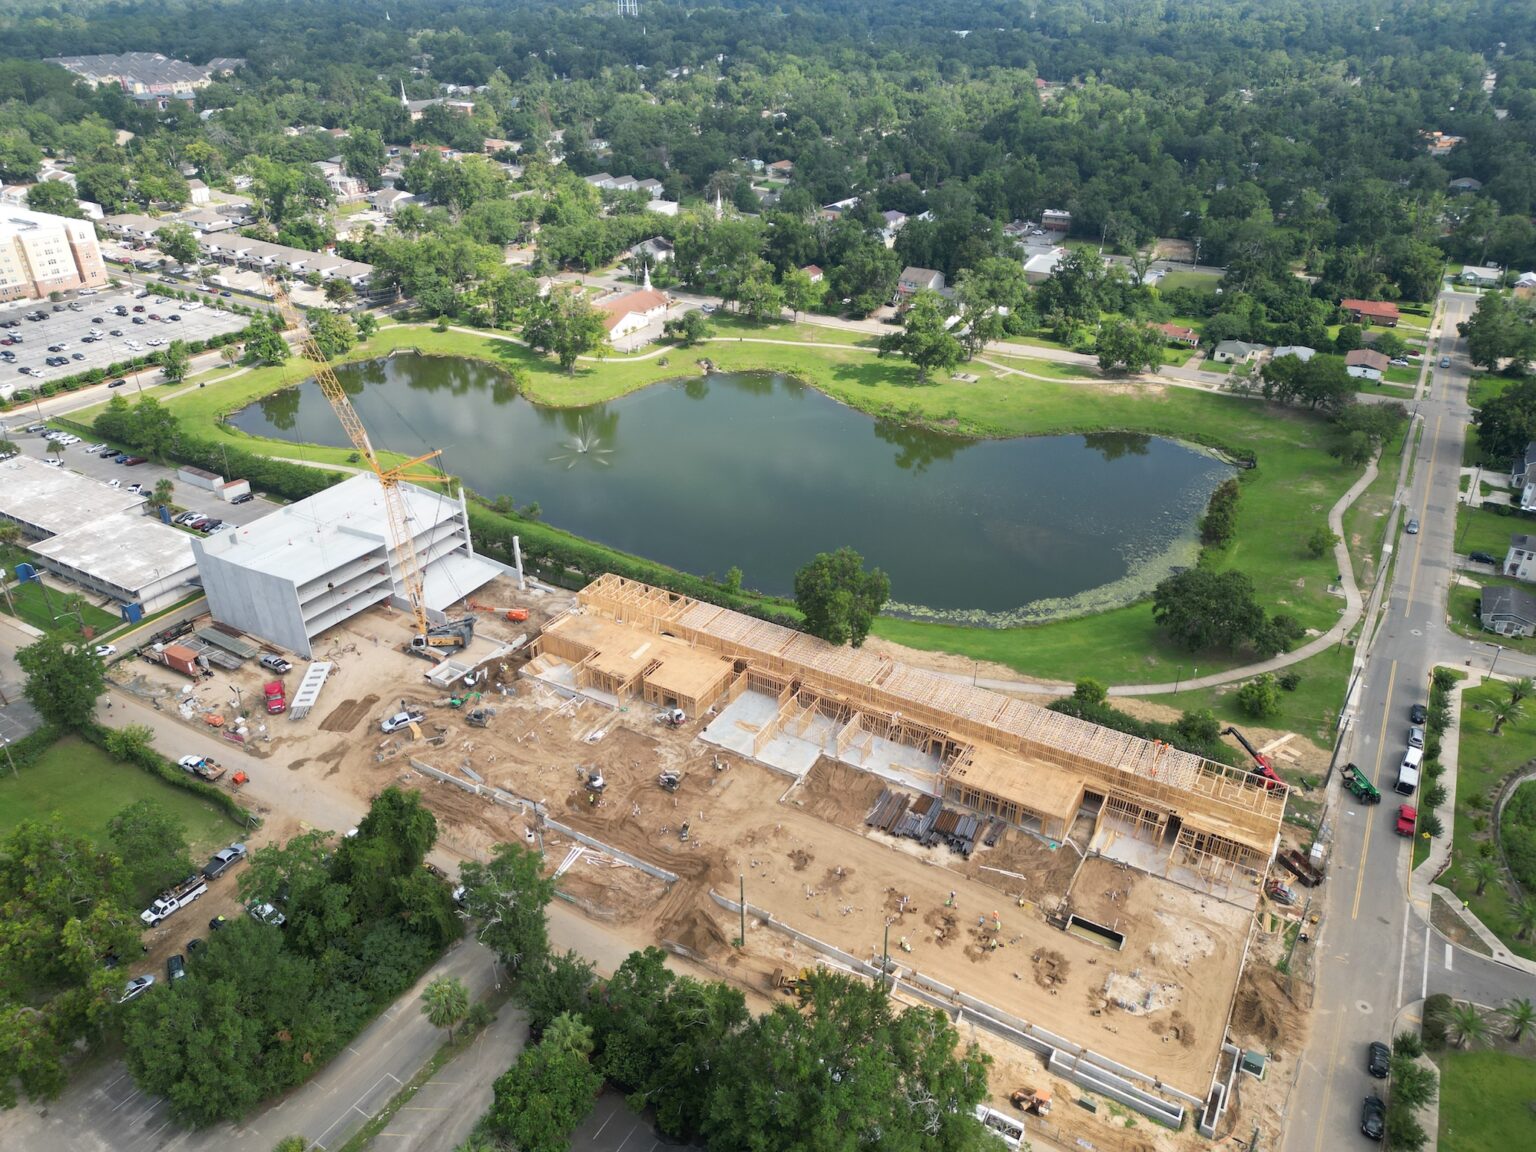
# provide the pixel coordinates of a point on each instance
(205, 767)
(1407, 817)
(277, 701)
(173, 900)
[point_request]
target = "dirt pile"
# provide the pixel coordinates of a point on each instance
(836, 792)
(1266, 1013)
(1050, 967)
(346, 715)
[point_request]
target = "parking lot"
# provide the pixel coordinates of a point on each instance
(69, 328)
(103, 469)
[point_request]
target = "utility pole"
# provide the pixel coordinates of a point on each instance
(5, 742)
(742, 878)
(885, 953)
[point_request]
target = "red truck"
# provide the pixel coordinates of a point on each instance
(1407, 817)
(276, 700)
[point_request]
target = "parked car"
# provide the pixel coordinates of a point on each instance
(136, 987)
(266, 914)
(106, 650)
(1412, 527)
(135, 461)
(223, 860)
(1445, 361)
(1407, 819)
(1481, 558)
(1418, 714)
(217, 923)
(245, 499)
(402, 720)
(1415, 737)
(1373, 1118)
(1378, 1060)
(176, 967)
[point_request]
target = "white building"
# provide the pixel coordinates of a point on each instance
(632, 311)
(95, 536)
(305, 568)
(41, 253)
(1520, 560)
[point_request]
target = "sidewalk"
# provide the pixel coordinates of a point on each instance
(1422, 887)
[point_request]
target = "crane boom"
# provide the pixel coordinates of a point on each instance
(402, 544)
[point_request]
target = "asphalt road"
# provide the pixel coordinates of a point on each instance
(1376, 952)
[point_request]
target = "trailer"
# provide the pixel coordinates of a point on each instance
(1300, 867)
(1360, 786)
(173, 900)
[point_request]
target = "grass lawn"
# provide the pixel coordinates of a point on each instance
(1365, 524)
(1463, 613)
(1484, 759)
(1312, 710)
(1198, 281)
(32, 603)
(1484, 530)
(86, 787)
(1485, 1101)
(1484, 387)
(1285, 498)
(1407, 376)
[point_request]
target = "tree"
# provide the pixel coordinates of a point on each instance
(923, 339)
(1219, 524)
(367, 324)
(508, 896)
(1502, 711)
(1404, 1132)
(264, 343)
(165, 488)
(1519, 1015)
(1259, 697)
(63, 681)
(1090, 691)
(539, 1102)
(54, 197)
(445, 1002)
(292, 1144)
(334, 334)
(1321, 542)
(847, 1071)
(339, 291)
(689, 328)
(174, 362)
(179, 242)
(1507, 422)
(152, 845)
(1201, 609)
(1484, 871)
(1524, 913)
(567, 325)
(800, 293)
(1413, 1084)
(1519, 689)
(1500, 330)
(1123, 345)
(363, 156)
(1466, 1025)
(838, 599)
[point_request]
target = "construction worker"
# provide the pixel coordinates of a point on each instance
(950, 903)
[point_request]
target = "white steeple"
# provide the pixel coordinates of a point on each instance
(404, 103)
(719, 205)
(645, 282)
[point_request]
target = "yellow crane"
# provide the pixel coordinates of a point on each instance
(428, 636)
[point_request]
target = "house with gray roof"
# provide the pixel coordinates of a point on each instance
(1237, 352)
(1508, 611)
(1520, 560)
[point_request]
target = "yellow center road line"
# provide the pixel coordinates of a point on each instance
(1418, 547)
(1381, 748)
(1328, 1078)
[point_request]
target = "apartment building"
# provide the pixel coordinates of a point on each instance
(40, 253)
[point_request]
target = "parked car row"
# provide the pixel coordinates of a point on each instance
(200, 522)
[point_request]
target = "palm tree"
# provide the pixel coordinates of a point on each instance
(1483, 870)
(1467, 1025)
(1525, 918)
(1519, 1015)
(1520, 689)
(445, 1002)
(165, 488)
(1501, 711)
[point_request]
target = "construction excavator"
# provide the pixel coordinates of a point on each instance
(430, 640)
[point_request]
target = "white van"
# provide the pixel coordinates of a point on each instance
(1408, 773)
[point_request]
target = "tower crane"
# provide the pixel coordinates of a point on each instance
(429, 638)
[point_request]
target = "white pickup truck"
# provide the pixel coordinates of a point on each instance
(173, 900)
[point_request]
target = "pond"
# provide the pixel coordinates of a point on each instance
(762, 472)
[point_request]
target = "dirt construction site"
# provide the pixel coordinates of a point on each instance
(1064, 933)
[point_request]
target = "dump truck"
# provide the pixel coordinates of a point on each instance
(1300, 867)
(172, 900)
(204, 767)
(1360, 786)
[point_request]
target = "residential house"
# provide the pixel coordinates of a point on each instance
(204, 221)
(664, 207)
(1439, 143)
(894, 221)
(346, 189)
(1043, 264)
(389, 200)
(131, 226)
(199, 193)
(600, 180)
(915, 280)
(781, 169)
(632, 311)
(651, 188)
(1237, 352)
(657, 250)
(1056, 220)
(1508, 611)
(1300, 351)
(1520, 560)
(624, 184)
(14, 195)
(838, 207)
(1465, 184)
(1522, 477)
(1526, 280)
(1481, 277)
(1176, 334)
(815, 273)
(1366, 364)
(1381, 312)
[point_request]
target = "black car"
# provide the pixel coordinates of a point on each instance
(1418, 714)
(1481, 558)
(1378, 1060)
(176, 967)
(217, 923)
(1373, 1118)
(115, 384)
(244, 499)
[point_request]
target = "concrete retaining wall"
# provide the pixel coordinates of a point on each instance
(633, 861)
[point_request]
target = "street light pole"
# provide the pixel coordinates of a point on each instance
(1498, 650)
(5, 742)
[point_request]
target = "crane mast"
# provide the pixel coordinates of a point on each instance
(402, 545)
